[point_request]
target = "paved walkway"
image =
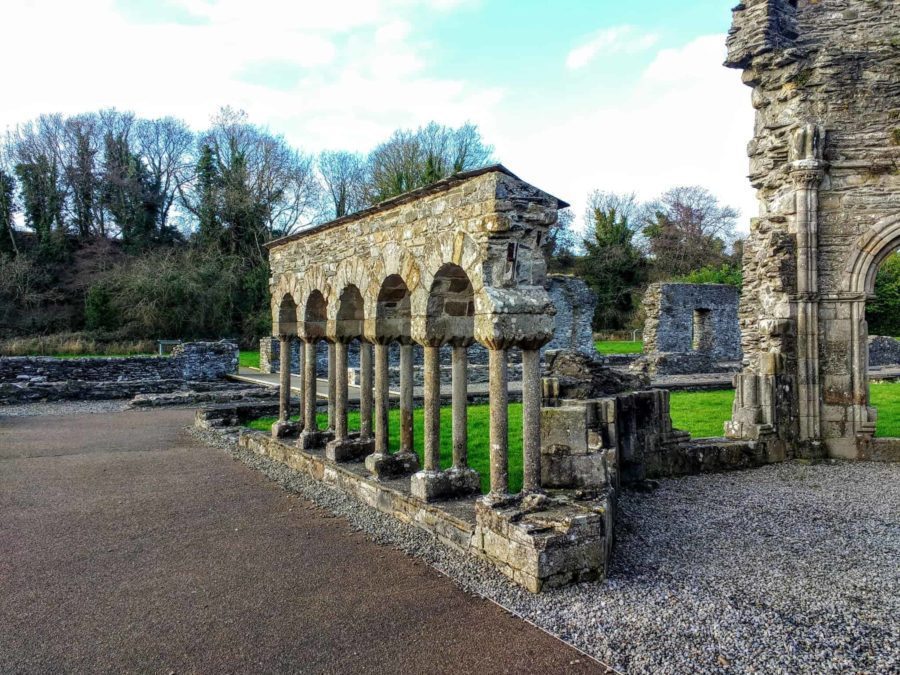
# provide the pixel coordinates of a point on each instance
(127, 546)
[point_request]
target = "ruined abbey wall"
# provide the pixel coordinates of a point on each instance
(825, 161)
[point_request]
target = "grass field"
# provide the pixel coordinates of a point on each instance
(701, 413)
(885, 396)
(249, 359)
(479, 448)
(619, 346)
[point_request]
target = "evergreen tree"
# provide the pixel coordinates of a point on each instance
(42, 201)
(209, 225)
(613, 267)
(7, 213)
(126, 194)
(883, 311)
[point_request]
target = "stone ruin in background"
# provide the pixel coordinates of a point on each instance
(825, 162)
(690, 328)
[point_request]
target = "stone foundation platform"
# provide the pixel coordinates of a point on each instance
(540, 542)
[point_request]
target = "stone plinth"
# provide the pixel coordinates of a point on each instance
(545, 542)
(432, 486)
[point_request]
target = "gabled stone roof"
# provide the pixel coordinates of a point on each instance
(405, 198)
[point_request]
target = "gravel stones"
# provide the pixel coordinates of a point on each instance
(787, 568)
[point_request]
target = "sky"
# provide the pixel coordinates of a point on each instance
(574, 95)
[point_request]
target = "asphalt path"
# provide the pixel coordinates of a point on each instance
(125, 546)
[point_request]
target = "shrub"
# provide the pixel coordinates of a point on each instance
(724, 274)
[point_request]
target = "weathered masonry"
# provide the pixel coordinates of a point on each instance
(825, 161)
(689, 328)
(455, 263)
(451, 264)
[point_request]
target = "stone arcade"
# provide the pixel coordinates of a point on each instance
(825, 161)
(455, 263)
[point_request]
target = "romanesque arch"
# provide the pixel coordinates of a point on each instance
(450, 263)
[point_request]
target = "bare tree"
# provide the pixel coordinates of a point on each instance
(410, 159)
(165, 146)
(344, 176)
(688, 230)
(258, 185)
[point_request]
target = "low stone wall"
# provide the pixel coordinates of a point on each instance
(539, 542)
(25, 379)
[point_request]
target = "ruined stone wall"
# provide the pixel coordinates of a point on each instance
(575, 304)
(825, 161)
(884, 351)
(32, 378)
(671, 311)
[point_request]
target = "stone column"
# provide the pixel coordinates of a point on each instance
(340, 390)
(406, 398)
(284, 380)
(382, 401)
(460, 361)
(807, 175)
(531, 419)
(365, 391)
(432, 408)
(380, 463)
(499, 424)
(331, 385)
(309, 386)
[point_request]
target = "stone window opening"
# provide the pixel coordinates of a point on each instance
(703, 335)
(512, 253)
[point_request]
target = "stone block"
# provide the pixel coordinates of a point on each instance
(351, 449)
(431, 486)
(386, 467)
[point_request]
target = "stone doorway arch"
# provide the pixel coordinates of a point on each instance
(868, 253)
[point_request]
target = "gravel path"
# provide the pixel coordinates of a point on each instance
(786, 569)
(62, 408)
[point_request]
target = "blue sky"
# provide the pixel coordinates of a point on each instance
(574, 95)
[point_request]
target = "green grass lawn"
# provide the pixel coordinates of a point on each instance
(619, 346)
(702, 413)
(249, 359)
(479, 447)
(885, 396)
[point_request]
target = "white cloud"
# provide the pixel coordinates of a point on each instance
(615, 40)
(686, 121)
(352, 68)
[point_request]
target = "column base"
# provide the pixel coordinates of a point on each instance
(432, 486)
(500, 500)
(384, 466)
(350, 449)
(314, 440)
(282, 429)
